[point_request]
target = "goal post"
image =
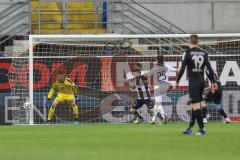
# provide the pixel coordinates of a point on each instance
(97, 63)
(31, 113)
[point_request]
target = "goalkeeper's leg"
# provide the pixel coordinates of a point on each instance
(52, 110)
(75, 110)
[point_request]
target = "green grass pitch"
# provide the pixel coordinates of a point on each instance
(118, 142)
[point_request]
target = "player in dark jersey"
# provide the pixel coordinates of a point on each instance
(213, 98)
(195, 59)
(140, 83)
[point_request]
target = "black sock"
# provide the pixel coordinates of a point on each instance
(192, 120)
(137, 115)
(204, 112)
(221, 111)
(160, 116)
(199, 117)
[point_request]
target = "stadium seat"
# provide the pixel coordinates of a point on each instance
(49, 17)
(83, 12)
(87, 31)
(78, 15)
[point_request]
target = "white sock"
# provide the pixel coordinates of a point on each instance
(155, 112)
(160, 110)
(228, 119)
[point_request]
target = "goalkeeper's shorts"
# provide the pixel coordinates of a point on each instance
(65, 98)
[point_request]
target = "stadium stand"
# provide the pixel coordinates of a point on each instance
(72, 17)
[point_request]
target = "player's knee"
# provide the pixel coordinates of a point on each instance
(132, 110)
(150, 110)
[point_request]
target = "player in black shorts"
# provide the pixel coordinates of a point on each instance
(195, 59)
(212, 99)
(140, 83)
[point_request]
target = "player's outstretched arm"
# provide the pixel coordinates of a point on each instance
(129, 81)
(171, 69)
(150, 72)
(125, 80)
(182, 69)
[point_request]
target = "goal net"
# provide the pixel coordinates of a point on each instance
(98, 63)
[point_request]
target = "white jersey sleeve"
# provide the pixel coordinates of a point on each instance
(151, 72)
(170, 68)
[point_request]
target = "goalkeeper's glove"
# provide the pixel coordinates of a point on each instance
(77, 98)
(47, 103)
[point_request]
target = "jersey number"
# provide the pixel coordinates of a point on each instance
(161, 76)
(198, 61)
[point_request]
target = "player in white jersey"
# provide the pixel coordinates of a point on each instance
(160, 75)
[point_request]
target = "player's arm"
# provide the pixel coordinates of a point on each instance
(75, 88)
(132, 84)
(50, 94)
(149, 73)
(76, 92)
(210, 72)
(182, 69)
(52, 91)
(207, 89)
(126, 80)
(211, 76)
(145, 80)
(214, 86)
(172, 69)
(73, 85)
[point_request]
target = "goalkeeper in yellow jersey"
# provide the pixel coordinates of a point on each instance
(66, 92)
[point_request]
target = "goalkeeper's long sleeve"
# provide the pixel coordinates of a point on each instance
(51, 92)
(75, 89)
